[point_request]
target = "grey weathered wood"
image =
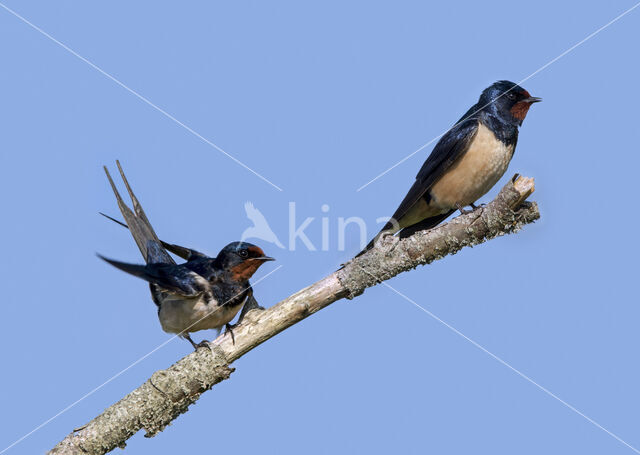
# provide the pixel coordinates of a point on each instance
(168, 393)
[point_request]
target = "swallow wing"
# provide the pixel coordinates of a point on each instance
(183, 252)
(180, 251)
(449, 149)
(176, 279)
(138, 223)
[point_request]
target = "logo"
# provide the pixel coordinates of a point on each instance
(261, 230)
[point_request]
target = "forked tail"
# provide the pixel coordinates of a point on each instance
(139, 226)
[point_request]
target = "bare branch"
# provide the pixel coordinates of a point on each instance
(168, 393)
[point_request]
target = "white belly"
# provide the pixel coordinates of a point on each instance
(178, 314)
(475, 173)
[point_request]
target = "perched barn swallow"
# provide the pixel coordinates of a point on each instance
(202, 293)
(466, 162)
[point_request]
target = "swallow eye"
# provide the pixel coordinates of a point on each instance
(511, 96)
(244, 253)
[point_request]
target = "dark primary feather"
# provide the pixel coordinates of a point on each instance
(180, 251)
(176, 279)
(427, 223)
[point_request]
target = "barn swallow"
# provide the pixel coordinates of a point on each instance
(189, 254)
(466, 162)
(202, 293)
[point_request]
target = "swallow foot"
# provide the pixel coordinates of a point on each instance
(228, 328)
(202, 344)
(188, 338)
(462, 210)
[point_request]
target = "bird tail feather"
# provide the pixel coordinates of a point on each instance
(139, 224)
(180, 251)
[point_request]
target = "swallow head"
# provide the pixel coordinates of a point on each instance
(507, 101)
(242, 259)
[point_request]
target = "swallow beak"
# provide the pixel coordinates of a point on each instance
(265, 258)
(531, 100)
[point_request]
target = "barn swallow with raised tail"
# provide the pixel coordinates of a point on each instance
(190, 254)
(202, 293)
(466, 162)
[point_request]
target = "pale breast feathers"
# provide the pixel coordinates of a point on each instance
(475, 173)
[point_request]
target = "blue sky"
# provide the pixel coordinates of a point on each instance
(319, 99)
